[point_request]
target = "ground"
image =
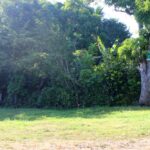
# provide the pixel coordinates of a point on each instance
(136, 144)
(99, 128)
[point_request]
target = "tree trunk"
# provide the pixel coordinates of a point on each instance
(144, 69)
(145, 83)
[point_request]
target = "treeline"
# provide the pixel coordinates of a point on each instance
(63, 55)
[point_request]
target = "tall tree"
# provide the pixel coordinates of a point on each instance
(141, 10)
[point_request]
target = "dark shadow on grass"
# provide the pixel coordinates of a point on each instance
(38, 114)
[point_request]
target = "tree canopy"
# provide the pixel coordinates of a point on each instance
(64, 55)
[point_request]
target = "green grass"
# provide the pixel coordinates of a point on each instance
(77, 124)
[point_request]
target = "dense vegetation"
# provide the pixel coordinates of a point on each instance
(65, 55)
(141, 47)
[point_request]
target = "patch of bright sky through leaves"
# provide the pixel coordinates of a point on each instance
(109, 12)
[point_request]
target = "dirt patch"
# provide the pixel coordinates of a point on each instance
(135, 144)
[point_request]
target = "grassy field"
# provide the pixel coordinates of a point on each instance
(91, 124)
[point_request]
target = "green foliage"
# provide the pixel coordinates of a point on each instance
(53, 56)
(117, 76)
(54, 96)
(143, 12)
(123, 5)
(134, 50)
(16, 91)
(113, 79)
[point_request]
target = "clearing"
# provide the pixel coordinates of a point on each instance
(100, 128)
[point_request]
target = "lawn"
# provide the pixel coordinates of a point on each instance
(32, 126)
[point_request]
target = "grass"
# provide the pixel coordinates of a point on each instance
(77, 124)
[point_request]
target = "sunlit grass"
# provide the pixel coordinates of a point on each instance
(77, 124)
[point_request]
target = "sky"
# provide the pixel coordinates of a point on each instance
(109, 12)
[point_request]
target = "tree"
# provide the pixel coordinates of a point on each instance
(38, 64)
(83, 24)
(141, 10)
(127, 6)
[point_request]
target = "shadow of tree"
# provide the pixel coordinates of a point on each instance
(38, 114)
